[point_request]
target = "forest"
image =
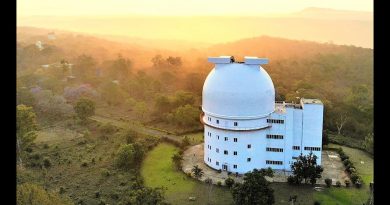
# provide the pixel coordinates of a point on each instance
(90, 109)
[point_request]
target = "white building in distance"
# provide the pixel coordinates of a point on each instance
(244, 128)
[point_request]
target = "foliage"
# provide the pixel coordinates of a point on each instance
(229, 182)
(28, 193)
(305, 168)
(51, 106)
(144, 195)
(112, 93)
(186, 116)
(368, 143)
(347, 182)
(125, 157)
(140, 109)
(254, 190)
(84, 108)
(328, 182)
(73, 93)
(197, 171)
(26, 126)
(338, 184)
(176, 158)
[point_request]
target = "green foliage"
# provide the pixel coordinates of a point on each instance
(33, 194)
(84, 108)
(229, 182)
(254, 190)
(186, 116)
(112, 93)
(26, 126)
(338, 184)
(197, 171)
(328, 182)
(347, 183)
(129, 156)
(305, 168)
(185, 142)
(107, 129)
(140, 109)
(144, 196)
(176, 158)
(368, 143)
(46, 162)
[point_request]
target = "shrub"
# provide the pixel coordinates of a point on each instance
(208, 181)
(346, 162)
(292, 180)
(46, 162)
(358, 183)
(328, 182)
(317, 203)
(84, 164)
(97, 194)
(354, 177)
(219, 183)
(45, 146)
(338, 184)
(106, 173)
(62, 190)
(347, 183)
(229, 182)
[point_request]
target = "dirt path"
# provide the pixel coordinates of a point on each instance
(138, 127)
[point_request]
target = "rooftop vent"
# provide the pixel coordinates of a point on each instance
(230, 59)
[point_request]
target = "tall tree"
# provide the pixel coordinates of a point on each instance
(26, 126)
(197, 171)
(84, 108)
(254, 190)
(305, 168)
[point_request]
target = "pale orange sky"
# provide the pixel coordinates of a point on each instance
(180, 7)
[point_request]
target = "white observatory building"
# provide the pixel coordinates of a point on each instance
(244, 128)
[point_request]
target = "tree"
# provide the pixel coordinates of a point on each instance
(84, 108)
(368, 143)
(198, 172)
(254, 190)
(112, 93)
(84, 66)
(144, 196)
(120, 68)
(176, 158)
(305, 168)
(140, 109)
(125, 157)
(340, 122)
(229, 182)
(26, 126)
(28, 193)
(186, 116)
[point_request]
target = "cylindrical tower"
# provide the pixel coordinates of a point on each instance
(238, 98)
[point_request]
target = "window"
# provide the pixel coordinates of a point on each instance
(210, 147)
(235, 139)
(313, 148)
(235, 166)
(217, 163)
(217, 136)
(235, 153)
(235, 123)
(274, 162)
(271, 149)
(226, 138)
(296, 148)
(209, 134)
(225, 152)
(275, 121)
(217, 150)
(217, 121)
(209, 119)
(249, 146)
(248, 159)
(294, 157)
(274, 136)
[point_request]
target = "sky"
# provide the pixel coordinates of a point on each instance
(180, 7)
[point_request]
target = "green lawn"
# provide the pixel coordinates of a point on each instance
(350, 195)
(158, 171)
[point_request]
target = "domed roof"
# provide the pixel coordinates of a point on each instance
(238, 90)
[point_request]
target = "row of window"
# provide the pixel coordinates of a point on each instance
(296, 147)
(274, 136)
(248, 160)
(271, 149)
(217, 121)
(274, 162)
(275, 121)
(313, 148)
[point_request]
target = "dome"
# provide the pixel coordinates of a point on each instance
(238, 90)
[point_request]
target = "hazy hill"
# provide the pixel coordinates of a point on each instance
(322, 25)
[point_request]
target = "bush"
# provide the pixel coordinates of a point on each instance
(45, 146)
(84, 164)
(219, 183)
(338, 184)
(229, 182)
(46, 162)
(328, 182)
(358, 183)
(106, 173)
(346, 162)
(347, 183)
(317, 203)
(354, 177)
(292, 180)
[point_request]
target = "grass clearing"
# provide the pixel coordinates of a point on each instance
(158, 171)
(351, 195)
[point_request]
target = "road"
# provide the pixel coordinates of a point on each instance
(138, 127)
